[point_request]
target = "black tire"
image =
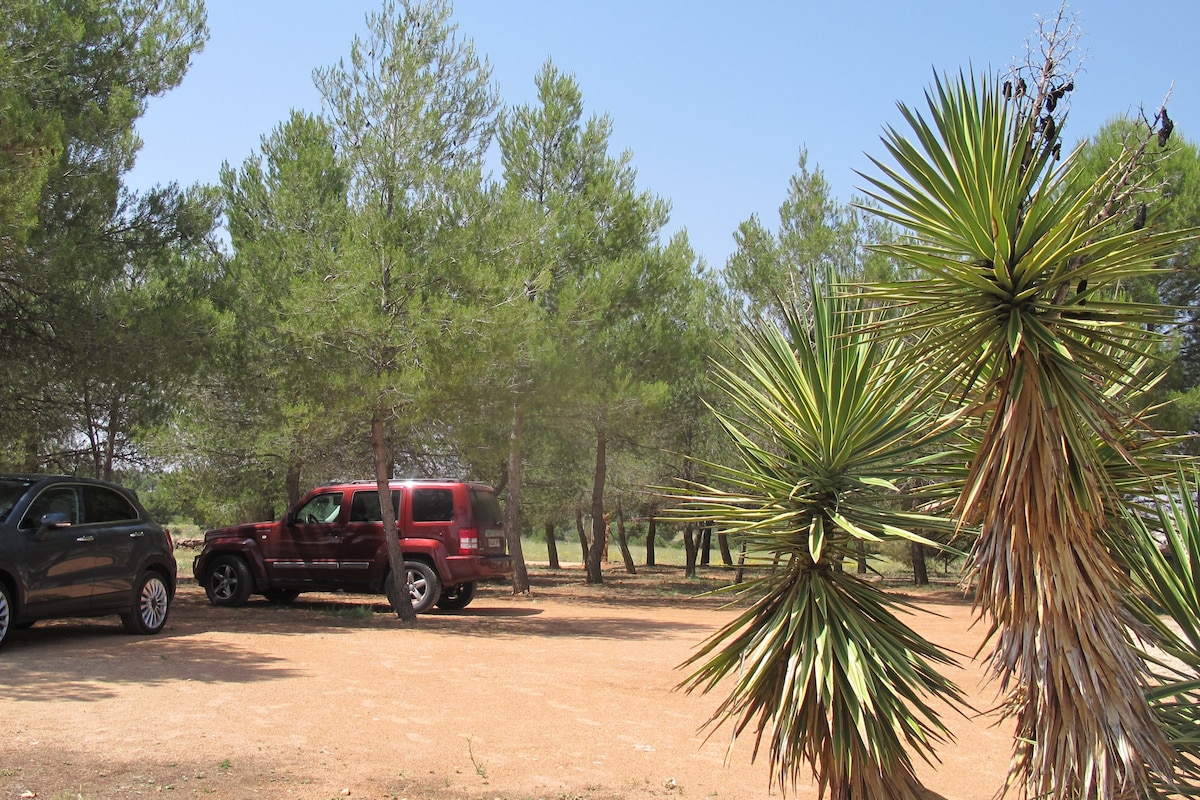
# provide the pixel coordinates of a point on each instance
(6, 613)
(457, 596)
(424, 586)
(281, 596)
(228, 582)
(151, 606)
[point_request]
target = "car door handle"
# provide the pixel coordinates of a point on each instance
(85, 538)
(137, 534)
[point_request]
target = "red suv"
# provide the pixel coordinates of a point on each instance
(451, 534)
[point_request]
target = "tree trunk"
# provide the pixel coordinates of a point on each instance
(705, 544)
(723, 543)
(291, 483)
(920, 568)
(623, 541)
(551, 546)
(689, 549)
(651, 533)
(583, 539)
(740, 573)
(32, 452)
(862, 558)
(605, 531)
(399, 597)
(594, 573)
(512, 509)
(110, 441)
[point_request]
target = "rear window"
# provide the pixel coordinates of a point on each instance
(486, 509)
(105, 505)
(432, 505)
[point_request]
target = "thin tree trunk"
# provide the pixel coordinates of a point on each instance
(623, 541)
(651, 534)
(723, 544)
(594, 574)
(551, 546)
(920, 566)
(606, 530)
(583, 539)
(861, 561)
(705, 544)
(399, 596)
(291, 483)
(740, 573)
(689, 549)
(512, 509)
(110, 441)
(32, 450)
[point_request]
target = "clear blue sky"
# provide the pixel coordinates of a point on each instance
(713, 99)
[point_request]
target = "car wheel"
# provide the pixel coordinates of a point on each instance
(457, 596)
(228, 582)
(6, 612)
(151, 607)
(281, 596)
(424, 588)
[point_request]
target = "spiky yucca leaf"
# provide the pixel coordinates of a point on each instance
(826, 427)
(1016, 304)
(1168, 605)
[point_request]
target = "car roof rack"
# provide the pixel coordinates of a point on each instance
(371, 481)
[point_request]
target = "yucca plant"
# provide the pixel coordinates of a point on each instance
(1017, 308)
(1162, 554)
(826, 427)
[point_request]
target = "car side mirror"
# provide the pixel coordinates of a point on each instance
(52, 521)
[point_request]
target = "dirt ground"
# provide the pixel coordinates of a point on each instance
(565, 695)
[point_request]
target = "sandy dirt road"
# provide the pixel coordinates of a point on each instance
(565, 695)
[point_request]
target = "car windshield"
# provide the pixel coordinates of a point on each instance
(10, 492)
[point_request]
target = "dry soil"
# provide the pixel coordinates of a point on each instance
(568, 694)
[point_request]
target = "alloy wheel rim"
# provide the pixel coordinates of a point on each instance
(154, 602)
(224, 583)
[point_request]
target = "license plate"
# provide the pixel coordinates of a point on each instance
(494, 541)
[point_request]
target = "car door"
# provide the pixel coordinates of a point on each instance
(363, 555)
(60, 562)
(431, 513)
(310, 541)
(119, 542)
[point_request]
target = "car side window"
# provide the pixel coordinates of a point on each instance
(104, 505)
(325, 507)
(365, 506)
(432, 505)
(56, 499)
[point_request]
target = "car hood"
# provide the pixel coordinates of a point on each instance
(247, 530)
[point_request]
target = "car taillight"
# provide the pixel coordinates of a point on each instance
(468, 540)
(170, 540)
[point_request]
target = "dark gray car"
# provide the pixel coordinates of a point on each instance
(77, 547)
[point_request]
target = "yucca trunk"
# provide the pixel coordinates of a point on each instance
(1062, 649)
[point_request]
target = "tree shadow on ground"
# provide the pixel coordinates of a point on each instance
(86, 659)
